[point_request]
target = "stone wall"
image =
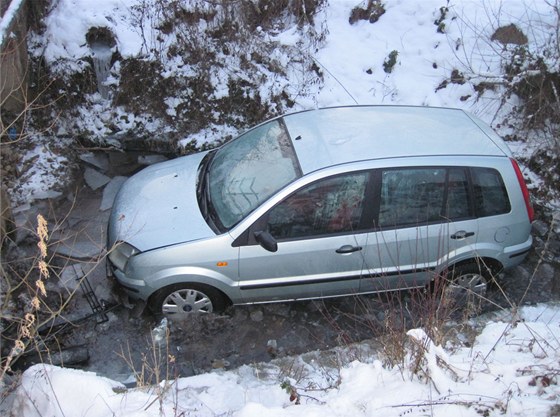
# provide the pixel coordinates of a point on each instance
(13, 58)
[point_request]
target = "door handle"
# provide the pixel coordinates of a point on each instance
(348, 249)
(461, 234)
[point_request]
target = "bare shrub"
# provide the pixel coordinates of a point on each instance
(390, 62)
(158, 365)
(519, 82)
(32, 289)
(7, 224)
(182, 70)
(529, 69)
(371, 12)
(25, 303)
(388, 317)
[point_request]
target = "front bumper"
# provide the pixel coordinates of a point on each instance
(136, 289)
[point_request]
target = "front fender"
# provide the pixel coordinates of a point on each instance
(177, 275)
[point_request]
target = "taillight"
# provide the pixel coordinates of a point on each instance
(524, 190)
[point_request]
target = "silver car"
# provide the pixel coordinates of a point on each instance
(323, 203)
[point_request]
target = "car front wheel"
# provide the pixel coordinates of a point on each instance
(181, 300)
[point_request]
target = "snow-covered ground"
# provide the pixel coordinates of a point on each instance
(431, 40)
(352, 56)
(512, 369)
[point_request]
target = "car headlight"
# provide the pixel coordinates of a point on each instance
(121, 253)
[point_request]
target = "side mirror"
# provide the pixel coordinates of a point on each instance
(267, 241)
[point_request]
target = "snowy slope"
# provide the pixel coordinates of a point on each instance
(443, 53)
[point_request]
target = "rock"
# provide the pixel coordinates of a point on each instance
(95, 179)
(556, 222)
(151, 159)
(110, 192)
(159, 334)
(272, 348)
(70, 356)
(46, 194)
(70, 276)
(83, 249)
(98, 160)
(554, 247)
(123, 163)
(509, 34)
(257, 315)
(22, 209)
(540, 228)
(220, 364)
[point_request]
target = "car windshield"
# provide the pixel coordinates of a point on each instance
(248, 170)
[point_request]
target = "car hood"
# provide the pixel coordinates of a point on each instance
(158, 206)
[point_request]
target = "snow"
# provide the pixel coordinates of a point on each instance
(350, 61)
(8, 19)
(39, 182)
(350, 58)
(512, 367)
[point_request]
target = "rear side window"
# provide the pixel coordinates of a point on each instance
(490, 195)
(415, 196)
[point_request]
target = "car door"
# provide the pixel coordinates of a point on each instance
(319, 243)
(423, 221)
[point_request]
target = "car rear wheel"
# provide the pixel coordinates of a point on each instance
(467, 285)
(182, 300)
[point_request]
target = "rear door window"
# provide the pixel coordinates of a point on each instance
(458, 205)
(411, 196)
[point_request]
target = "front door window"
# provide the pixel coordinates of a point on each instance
(330, 206)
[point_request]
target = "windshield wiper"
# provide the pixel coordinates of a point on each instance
(202, 188)
(203, 194)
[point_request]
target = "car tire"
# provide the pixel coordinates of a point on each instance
(182, 300)
(467, 285)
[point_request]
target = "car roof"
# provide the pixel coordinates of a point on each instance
(338, 135)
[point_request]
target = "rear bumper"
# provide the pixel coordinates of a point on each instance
(514, 255)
